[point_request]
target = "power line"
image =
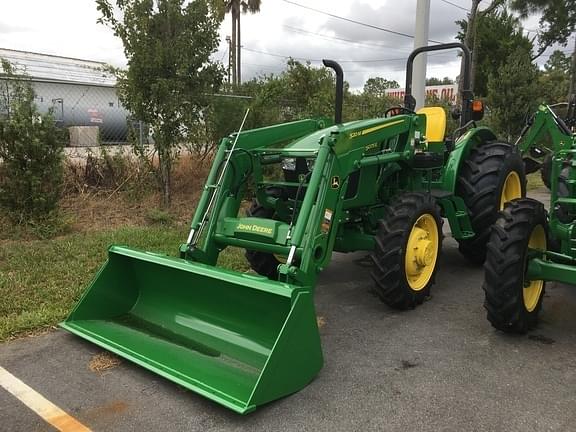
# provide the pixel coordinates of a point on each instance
(262, 67)
(346, 71)
(340, 61)
(335, 38)
(223, 54)
(394, 32)
(380, 72)
(455, 5)
(276, 55)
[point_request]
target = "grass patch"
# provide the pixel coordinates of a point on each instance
(159, 217)
(233, 258)
(49, 226)
(41, 280)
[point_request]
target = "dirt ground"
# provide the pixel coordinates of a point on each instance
(131, 198)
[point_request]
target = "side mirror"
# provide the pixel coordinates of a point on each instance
(477, 110)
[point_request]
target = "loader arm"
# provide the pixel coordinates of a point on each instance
(544, 134)
(548, 134)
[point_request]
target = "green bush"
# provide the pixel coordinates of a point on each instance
(31, 149)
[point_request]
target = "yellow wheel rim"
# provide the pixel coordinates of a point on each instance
(421, 252)
(511, 189)
(533, 289)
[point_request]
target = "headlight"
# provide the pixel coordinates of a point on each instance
(289, 164)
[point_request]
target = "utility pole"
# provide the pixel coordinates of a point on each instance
(229, 41)
(239, 54)
(235, 14)
(420, 40)
(573, 72)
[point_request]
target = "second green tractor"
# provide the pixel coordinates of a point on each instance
(530, 245)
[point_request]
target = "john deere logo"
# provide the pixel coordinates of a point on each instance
(335, 182)
(253, 228)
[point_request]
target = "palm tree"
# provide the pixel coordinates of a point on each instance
(236, 8)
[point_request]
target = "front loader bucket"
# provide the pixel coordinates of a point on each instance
(238, 339)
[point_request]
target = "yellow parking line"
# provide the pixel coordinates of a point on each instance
(39, 404)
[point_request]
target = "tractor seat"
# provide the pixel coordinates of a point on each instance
(435, 123)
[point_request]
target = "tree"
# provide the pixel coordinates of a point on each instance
(31, 151)
(558, 61)
(377, 86)
(170, 76)
(433, 81)
(301, 91)
(307, 90)
(557, 20)
(557, 23)
(236, 8)
(373, 101)
(512, 93)
(497, 36)
(469, 37)
(222, 117)
(554, 80)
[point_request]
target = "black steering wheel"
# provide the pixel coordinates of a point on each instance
(397, 110)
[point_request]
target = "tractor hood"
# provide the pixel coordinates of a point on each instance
(310, 143)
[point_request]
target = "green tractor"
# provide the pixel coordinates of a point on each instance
(529, 245)
(536, 144)
(382, 185)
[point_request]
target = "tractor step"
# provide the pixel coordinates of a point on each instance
(455, 211)
(441, 193)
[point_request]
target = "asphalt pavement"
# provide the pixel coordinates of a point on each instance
(439, 367)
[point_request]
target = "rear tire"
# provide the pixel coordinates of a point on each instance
(513, 305)
(483, 184)
(263, 263)
(407, 248)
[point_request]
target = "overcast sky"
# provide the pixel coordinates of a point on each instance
(281, 29)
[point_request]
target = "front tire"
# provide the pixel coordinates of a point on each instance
(492, 175)
(511, 302)
(263, 263)
(407, 248)
(546, 171)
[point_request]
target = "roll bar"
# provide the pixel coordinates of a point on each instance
(467, 96)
